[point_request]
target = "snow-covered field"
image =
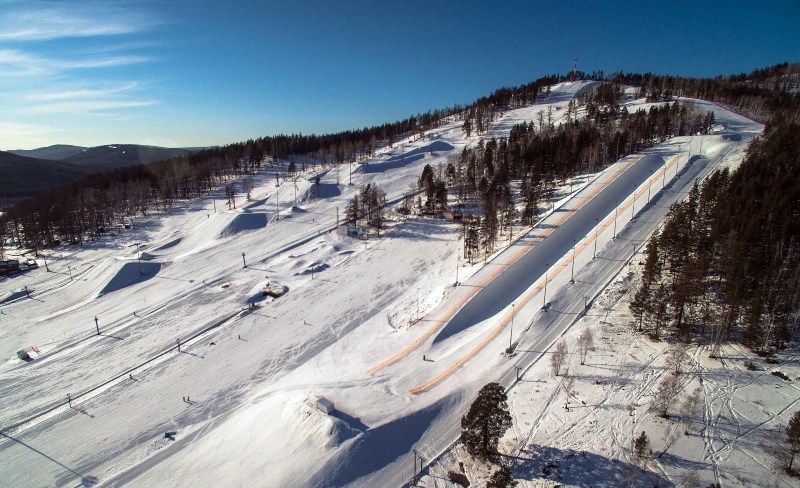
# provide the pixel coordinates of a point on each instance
(577, 429)
(236, 405)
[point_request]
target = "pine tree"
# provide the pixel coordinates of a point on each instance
(486, 422)
(793, 437)
(502, 479)
(641, 448)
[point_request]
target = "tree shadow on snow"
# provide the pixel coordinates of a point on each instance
(579, 468)
(67, 478)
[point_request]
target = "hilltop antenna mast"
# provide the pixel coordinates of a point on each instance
(575, 69)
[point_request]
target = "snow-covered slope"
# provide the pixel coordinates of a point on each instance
(250, 375)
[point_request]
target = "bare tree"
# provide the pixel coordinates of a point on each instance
(569, 390)
(676, 357)
(247, 187)
(559, 357)
(585, 342)
(690, 409)
(665, 394)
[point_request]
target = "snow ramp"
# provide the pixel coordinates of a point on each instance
(381, 446)
(131, 274)
(400, 160)
(245, 222)
(511, 284)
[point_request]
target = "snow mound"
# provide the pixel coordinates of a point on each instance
(172, 243)
(380, 446)
(314, 268)
(131, 274)
(14, 295)
(245, 222)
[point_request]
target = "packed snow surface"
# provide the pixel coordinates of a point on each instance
(376, 326)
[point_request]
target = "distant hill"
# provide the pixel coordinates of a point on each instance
(119, 155)
(21, 176)
(56, 152)
(102, 158)
(25, 173)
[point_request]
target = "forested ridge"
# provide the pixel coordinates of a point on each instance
(726, 264)
(87, 208)
(538, 153)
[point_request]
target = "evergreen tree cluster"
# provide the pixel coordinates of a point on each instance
(88, 207)
(726, 264)
(758, 95)
(366, 207)
(538, 153)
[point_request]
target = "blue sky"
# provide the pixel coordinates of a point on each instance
(196, 73)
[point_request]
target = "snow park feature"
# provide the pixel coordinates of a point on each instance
(243, 395)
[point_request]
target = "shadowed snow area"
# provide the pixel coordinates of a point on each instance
(172, 243)
(380, 446)
(130, 274)
(245, 222)
(325, 190)
(14, 295)
(507, 286)
(400, 160)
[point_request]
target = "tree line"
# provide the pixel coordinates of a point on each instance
(758, 95)
(89, 207)
(726, 264)
(538, 154)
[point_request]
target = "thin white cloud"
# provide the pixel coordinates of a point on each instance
(82, 93)
(15, 63)
(86, 106)
(38, 21)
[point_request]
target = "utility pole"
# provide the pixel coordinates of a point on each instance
(574, 246)
(97, 325)
(414, 475)
(594, 255)
(544, 296)
(337, 217)
(417, 303)
(45, 263)
(511, 331)
(243, 261)
(139, 257)
(616, 213)
(70, 272)
(214, 199)
(277, 198)
(69, 399)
